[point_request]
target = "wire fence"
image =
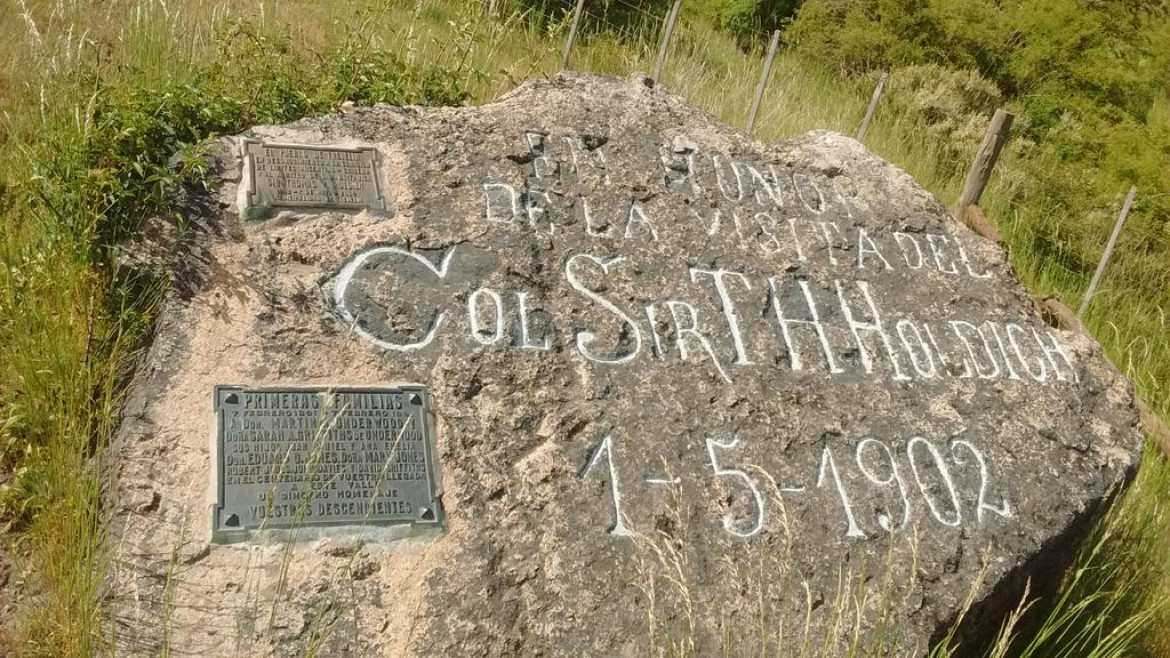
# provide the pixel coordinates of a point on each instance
(647, 28)
(659, 25)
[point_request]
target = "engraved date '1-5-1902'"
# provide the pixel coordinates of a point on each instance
(921, 474)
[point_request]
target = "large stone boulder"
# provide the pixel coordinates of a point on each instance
(690, 393)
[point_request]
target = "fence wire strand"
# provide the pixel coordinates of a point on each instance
(601, 16)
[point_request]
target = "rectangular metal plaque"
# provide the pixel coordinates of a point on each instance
(305, 457)
(305, 176)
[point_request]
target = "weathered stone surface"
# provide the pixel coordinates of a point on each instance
(690, 389)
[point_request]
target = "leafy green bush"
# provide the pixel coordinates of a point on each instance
(750, 20)
(116, 170)
(76, 179)
(1085, 79)
(1056, 53)
(626, 16)
(952, 105)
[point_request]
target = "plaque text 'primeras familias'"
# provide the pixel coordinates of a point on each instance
(302, 176)
(311, 457)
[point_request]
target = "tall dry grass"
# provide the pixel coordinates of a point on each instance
(70, 327)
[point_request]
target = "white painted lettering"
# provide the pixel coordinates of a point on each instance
(771, 188)
(711, 227)
(857, 327)
(1003, 509)
(639, 216)
(501, 204)
(728, 307)
(345, 276)
(944, 472)
(1053, 349)
(863, 239)
(478, 332)
(894, 478)
(1013, 331)
(729, 523)
(902, 238)
(768, 240)
(526, 341)
(652, 319)
(1002, 348)
(828, 238)
(933, 239)
(928, 370)
(829, 467)
(722, 183)
(793, 353)
(942, 358)
(584, 337)
(681, 332)
(978, 369)
(606, 446)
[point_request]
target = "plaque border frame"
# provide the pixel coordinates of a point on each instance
(251, 193)
(227, 535)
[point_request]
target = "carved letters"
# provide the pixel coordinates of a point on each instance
(773, 311)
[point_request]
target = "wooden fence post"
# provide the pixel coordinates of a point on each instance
(984, 162)
(667, 32)
(1108, 251)
(877, 94)
(572, 34)
(763, 84)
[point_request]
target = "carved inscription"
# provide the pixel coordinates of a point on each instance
(863, 338)
(786, 276)
(298, 457)
(766, 216)
(287, 175)
(945, 482)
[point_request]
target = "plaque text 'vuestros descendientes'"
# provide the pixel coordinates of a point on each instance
(310, 457)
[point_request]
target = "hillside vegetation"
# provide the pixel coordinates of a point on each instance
(95, 97)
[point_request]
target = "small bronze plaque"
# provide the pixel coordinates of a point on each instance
(303, 457)
(302, 176)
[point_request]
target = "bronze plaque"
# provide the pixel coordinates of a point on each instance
(309, 457)
(304, 176)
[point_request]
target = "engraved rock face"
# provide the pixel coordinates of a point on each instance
(691, 392)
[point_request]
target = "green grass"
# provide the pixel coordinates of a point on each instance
(95, 97)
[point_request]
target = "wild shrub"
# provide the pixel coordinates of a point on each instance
(1089, 83)
(117, 168)
(77, 181)
(953, 106)
(624, 16)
